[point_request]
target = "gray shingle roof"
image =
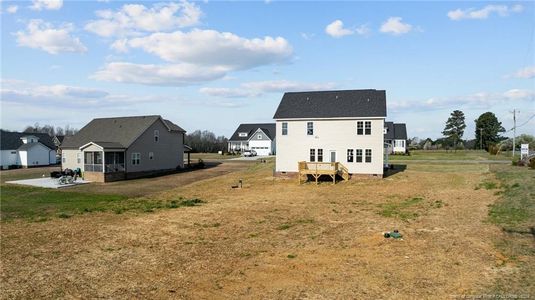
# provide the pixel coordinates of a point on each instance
(389, 135)
(332, 104)
(173, 126)
(400, 131)
(119, 132)
(395, 131)
(12, 141)
(268, 128)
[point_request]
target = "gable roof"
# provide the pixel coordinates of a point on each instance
(400, 131)
(11, 140)
(332, 104)
(389, 126)
(27, 146)
(250, 129)
(119, 132)
(395, 131)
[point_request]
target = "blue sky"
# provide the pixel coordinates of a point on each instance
(212, 65)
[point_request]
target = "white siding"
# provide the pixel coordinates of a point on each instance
(70, 157)
(38, 155)
(7, 158)
(399, 146)
(336, 135)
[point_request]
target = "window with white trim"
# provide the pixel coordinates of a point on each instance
(79, 158)
(151, 155)
(368, 155)
(367, 128)
(359, 155)
(310, 128)
(136, 158)
(156, 135)
(360, 128)
(312, 155)
(349, 155)
(284, 128)
(63, 159)
(320, 155)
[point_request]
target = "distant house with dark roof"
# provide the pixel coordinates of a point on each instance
(395, 137)
(20, 149)
(258, 137)
(109, 149)
(331, 126)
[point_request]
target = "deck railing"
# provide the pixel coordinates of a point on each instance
(316, 169)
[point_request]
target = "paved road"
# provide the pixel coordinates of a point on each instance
(451, 161)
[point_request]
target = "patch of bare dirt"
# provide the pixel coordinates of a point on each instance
(271, 239)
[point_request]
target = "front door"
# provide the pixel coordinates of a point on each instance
(333, 156)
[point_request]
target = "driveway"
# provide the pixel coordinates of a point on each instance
(251, 158)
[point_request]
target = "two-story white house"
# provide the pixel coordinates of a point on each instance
(331, 126)
(258, 137)
(395, 138)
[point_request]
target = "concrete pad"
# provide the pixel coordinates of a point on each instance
(47, 182)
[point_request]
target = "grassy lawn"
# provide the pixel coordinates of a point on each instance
(274, 238)
(514, 212)
(39, 204)
(449, 155)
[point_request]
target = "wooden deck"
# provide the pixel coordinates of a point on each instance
(317, 169)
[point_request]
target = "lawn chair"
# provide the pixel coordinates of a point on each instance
(65, 180)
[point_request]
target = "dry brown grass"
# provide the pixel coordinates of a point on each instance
(271, 239)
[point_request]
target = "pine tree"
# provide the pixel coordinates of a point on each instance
(455, 126)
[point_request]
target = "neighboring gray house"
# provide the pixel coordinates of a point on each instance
(395, 138)
(110, 149)
(344, 127)
(258, 137)
(20, 149)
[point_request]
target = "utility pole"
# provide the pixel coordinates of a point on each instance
(514, 131)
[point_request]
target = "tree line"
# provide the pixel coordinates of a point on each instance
(50, 129)
(487, 135)
(206, 141)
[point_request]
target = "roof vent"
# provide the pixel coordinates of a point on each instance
(308, 98)
(336, 96)
(368, 99)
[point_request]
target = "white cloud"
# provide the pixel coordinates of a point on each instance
(43, 35)
(519, 94)
(12, 9)
(120, 46)
(46, 4)
(228, 92)
(395, 26)
(527, 72)
(336, 29)
(213, 48)
(195, 56)
(276, 86)
(479, 100)
(133, 19)
(150, 74)
(485, 12)
(257, 88)
(363, 30)
(307, 36)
